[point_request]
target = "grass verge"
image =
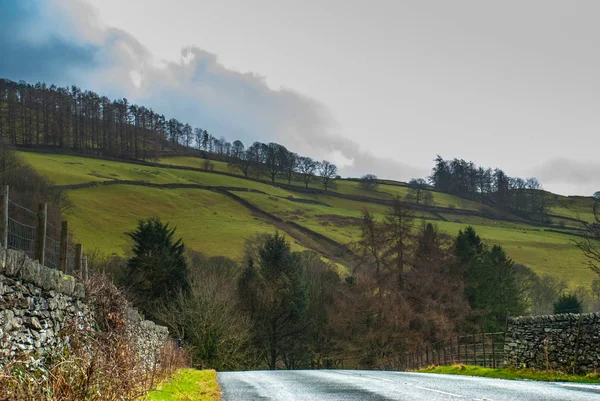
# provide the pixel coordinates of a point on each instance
(512, 374)
(188, 385)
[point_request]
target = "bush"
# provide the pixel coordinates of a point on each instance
(567, 303)
(209, 318)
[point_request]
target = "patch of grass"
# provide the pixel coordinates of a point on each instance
(188, 385)
(207, 221)
(512, 374)
(197, 162)
(66, 169)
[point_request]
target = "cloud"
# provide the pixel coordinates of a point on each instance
(33, 50)
(62, 42)
(241, 105)
(569, 176)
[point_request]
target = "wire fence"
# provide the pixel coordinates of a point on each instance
(21, 237)
(24, 230)
(482, 349)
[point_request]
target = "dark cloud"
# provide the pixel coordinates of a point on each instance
(39, 43)
(32, 53)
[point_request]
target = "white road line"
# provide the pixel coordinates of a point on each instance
(441, 392)
(381, 378)
(420, 387)
(579, 385)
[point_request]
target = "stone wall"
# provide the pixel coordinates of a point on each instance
(36, 302)
(567, 342)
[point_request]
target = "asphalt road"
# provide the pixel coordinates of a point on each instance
(326, 385)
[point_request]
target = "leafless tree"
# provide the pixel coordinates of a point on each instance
(306, 167)
(368, 182)
(589, 245)
(327, 172)
(417, 188)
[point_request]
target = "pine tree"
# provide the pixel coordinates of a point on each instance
(491, 281)
(273, 291)
(158, 270)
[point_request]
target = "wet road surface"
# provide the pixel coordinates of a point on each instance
(347, 385)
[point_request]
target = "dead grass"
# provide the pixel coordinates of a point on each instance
(89, 364)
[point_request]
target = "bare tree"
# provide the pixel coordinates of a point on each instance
(589, 245)
(237, 149)
(398, 227)
(306, 167)
(290, 161)
(417, 187)
(327, 172)
(243, 162)
(368, 182)
(198, 133)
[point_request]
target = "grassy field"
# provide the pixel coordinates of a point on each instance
(63, 170)
(545, 252)
(207, 221)
(512, 374)
(188, 385)
(216, 225)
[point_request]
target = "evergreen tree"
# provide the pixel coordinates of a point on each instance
(491, 281)
(274, 294)
(158, 270)
(567, 303)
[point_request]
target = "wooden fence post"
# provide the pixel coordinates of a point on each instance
(64, 246)
(78, 259)
(427, 354)
(458, 348)
(445, 353)
(4, 217)
(493, 352)
(40, 240)
(474, 350)
(86, 275)
(483, 342)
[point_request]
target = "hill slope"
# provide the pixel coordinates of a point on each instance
(216, 210)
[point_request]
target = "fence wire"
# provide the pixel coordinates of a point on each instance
(483, 349)
(70, 257)
(22, 233)
(21, 237)
(52, 256)
(22, 209)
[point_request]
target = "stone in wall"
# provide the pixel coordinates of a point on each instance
(148, 337)
(566, 342)
(36, 302)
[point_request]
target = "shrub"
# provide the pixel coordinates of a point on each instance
(567, 303)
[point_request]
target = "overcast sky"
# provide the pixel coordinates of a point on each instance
(376, 86)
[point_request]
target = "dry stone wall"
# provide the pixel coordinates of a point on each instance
(36, 302)
(567, 342)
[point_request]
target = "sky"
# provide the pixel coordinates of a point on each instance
(374, 86)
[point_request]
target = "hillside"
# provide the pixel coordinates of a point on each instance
(215, 210)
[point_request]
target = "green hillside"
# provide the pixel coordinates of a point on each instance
(217, 220)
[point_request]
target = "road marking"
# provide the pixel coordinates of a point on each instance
(419, 387)
(441, 392)
(381, 378)
(581, 385)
